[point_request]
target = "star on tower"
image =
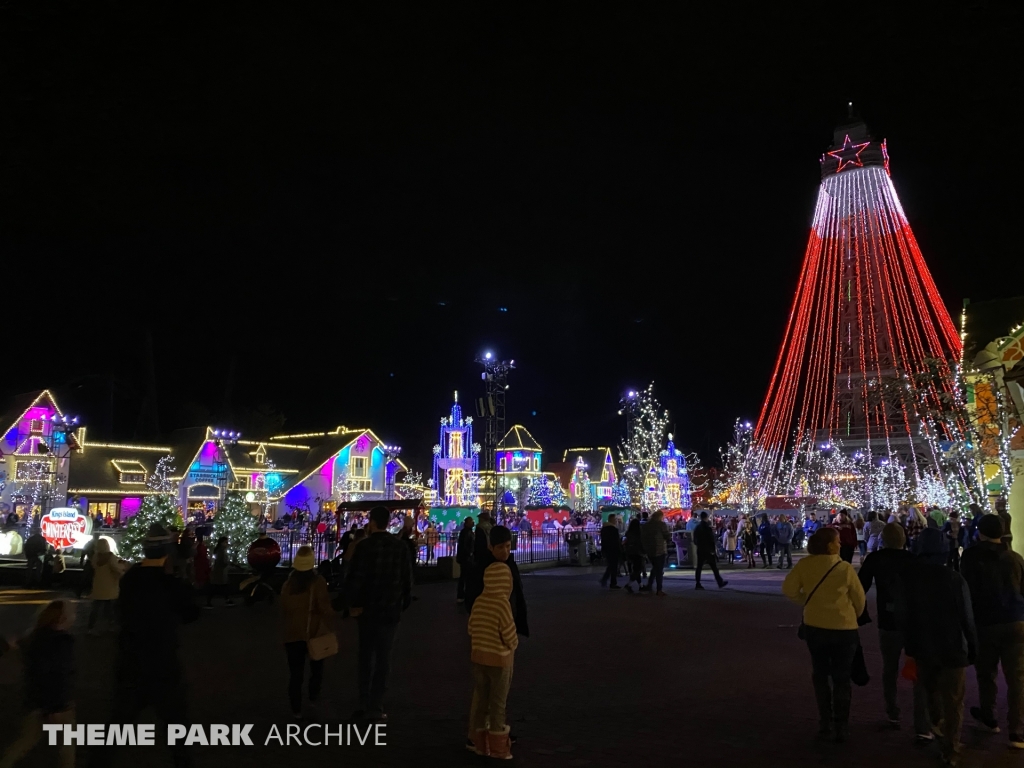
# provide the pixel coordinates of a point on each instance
(844, 155)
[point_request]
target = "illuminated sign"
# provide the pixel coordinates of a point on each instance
(63, 527)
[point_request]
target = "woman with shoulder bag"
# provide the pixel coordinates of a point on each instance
(832, 598)
(307, 627)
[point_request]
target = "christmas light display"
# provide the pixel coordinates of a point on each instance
(235, 521)
(865, 321)
(456, 460)
(673, 478)
(741, 483)
(580, 488)
(640, 452)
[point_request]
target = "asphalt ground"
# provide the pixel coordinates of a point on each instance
(607, 678)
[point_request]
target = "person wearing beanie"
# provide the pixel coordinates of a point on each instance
(152, 605)
(305, 612)
(940, 637)
(886, 568)
(995, 575)
(492, 632)
(378, 588)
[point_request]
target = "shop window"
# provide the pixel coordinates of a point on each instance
(503, 464)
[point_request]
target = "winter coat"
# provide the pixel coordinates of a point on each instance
(704, 537)
(873, 535)
(296, 614)
(107, 574)
(838, 601)
(940, 624)
(634, 543)
(611, 543)
(464, 549)
(784, 532)
(655, 536)
(995, 575)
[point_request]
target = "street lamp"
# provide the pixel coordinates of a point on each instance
(391, 454)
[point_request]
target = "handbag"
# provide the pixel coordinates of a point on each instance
(802, 630)
(859, 668)
(321, 646)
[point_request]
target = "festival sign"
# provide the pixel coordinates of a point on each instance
(63, 527)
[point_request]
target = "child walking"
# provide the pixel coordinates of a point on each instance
(492, 630)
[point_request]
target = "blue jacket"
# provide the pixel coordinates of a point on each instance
(810, 526)
(767, 533)
(784, 532)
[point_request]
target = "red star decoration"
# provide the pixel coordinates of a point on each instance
(843, 155)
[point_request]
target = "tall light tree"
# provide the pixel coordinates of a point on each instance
(640, 451)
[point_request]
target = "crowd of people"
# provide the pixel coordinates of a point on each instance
(948, 596)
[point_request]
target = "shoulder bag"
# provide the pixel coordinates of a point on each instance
(321, 646)
(802, 631)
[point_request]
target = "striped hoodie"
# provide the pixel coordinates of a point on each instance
(491, 626)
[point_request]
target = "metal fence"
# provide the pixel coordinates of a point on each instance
(526, 547)
(323, 544)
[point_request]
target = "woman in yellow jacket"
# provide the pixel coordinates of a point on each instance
(832, 598)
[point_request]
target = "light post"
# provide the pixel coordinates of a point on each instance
(492, 408)
(66, 426)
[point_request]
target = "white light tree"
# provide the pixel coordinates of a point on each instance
(640, 451)
(740, 483)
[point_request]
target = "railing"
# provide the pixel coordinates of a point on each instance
(526, 547)
(323, 544)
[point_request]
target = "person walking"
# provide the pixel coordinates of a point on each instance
(956, 534)
(634, 554)
(749, 540)
(914, 523)
(219, 577)
(152, 605)
(940, 637)
(847, 536)
(832, 599)
(704, 542)
(766, 537)
(611, 548)
(481, 557)
(886, 568)
(106, 576)
(862, 542)
(655, 537)
(305, 613)
(492, 631)
(378, 588)
(783, 539)
(995, 575)
(49, 659)
(202, 564)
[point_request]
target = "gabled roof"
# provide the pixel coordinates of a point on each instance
(94, 470)
(518, 439)
(594, 458)
(19, 405)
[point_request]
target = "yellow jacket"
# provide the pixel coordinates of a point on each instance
(838, 601)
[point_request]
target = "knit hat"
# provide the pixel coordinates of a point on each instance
(991, 526)
(304, 560)
(893, 536)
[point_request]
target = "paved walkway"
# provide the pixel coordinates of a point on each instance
(696, 678)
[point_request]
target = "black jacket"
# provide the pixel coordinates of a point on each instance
(995, 575)
(704, 537)
(464, 549)
(886, 568)
(611, 542)
(49, 670)
(152, 604)
(940, 623)
(475, 586)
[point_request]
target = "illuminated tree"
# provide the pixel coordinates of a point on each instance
(741, 484)
(235, 521)
(156, 509)
(640, 451)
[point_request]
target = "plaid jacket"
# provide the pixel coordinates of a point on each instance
(380, 577)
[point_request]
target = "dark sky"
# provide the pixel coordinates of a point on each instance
(320, 208)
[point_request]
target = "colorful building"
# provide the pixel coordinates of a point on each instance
(35, 455)
(593, 476)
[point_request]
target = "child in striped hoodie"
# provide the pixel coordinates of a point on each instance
(493, 633)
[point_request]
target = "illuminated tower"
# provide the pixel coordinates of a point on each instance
(456, 460)
(866, 323)
(673, 478)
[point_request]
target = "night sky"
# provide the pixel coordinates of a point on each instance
(323, 211)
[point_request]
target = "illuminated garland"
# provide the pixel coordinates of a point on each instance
(640, 451)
